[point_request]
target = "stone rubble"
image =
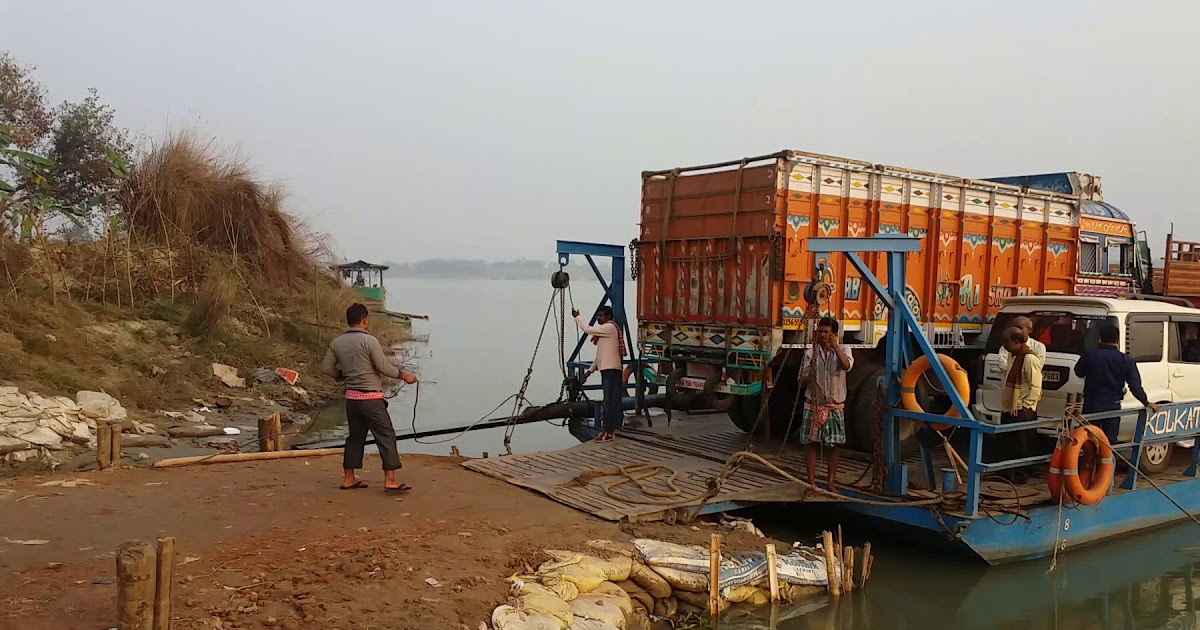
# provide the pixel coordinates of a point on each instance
(30, 423)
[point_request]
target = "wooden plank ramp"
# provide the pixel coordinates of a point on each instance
(697, 453)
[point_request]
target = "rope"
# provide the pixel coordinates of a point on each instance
(638, 473)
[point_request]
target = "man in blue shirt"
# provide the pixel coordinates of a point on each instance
(1106, 372)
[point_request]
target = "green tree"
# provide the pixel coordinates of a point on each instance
(23, 109)
(80, 144)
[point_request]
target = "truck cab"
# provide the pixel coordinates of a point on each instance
(1163, 338)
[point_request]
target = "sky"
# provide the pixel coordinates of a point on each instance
(489, 129)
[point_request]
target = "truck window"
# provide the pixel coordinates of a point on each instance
(1089, 257)
(1119, 254)
(1144, 341)
(1060, 332)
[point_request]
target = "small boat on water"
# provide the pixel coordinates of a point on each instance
(367, 280)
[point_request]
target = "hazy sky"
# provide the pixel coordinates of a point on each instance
(418, 129)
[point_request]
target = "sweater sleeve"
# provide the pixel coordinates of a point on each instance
(1133, 378)
(329, 365)
(380, 361)
(595, 331)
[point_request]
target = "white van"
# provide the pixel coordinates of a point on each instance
(1162, 337)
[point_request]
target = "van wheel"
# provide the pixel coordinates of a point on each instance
(862, 415)
(1156, 457)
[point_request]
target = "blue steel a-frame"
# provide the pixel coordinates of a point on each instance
(902, 326)
(614, 296)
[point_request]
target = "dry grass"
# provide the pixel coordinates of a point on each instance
(187, 194)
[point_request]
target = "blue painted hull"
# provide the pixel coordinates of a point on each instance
(1035, 537)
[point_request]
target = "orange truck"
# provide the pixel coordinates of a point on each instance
(722, 265)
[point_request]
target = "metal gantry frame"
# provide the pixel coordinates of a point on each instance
(902, 326)
(614, 296)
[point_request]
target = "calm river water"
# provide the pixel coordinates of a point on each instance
(481, 336)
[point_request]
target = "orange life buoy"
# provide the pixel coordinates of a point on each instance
(1086, 486)
(1055, 475)
(908, 385)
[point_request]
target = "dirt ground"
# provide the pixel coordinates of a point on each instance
(276, 544)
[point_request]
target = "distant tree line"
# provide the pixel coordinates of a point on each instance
(520, 269)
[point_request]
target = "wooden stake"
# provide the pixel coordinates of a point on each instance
(135, 586)
(242, 457)
(103, 445)
(773, 573)
(264, 435)
(848, 578)
(835, 588)
(866, 562)
(163, 580)
(277, 431)
(115, 453)
(714, 576)
(454, 452)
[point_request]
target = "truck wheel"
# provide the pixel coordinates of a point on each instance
(1156, 457)
(862, 415)
(718, 401)
(743, 411)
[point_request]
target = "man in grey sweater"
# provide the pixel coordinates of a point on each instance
(357, 360)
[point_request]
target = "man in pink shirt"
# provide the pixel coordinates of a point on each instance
(610, 347)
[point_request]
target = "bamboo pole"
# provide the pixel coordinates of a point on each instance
(264, 435)
(830, 564)
(135, 586)
(866, 562)
(115, 453)
(164, 578)
(276, 432)
(103, 445)
(773, 573)
(848, 572)
(175, 462)
(714, 576)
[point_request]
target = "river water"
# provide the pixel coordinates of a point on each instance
(481, 337)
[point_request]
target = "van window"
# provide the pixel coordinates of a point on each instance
(1060, 332)
(1184, 342)
(1144, 341)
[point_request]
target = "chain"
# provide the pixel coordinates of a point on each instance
(519, 399)
(810, 324)
(635, 260)
(878, 466)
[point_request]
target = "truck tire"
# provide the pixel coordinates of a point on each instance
(862, 416)
(743, 411)
(718, 401)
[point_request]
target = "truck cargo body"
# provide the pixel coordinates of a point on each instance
(723, 262)
(1180, 274)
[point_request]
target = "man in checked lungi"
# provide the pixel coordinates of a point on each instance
(823, 376)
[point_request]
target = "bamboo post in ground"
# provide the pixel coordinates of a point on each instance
(773, 573)
(848, 574)
(163, 580)
(866, 562)
(115, 444)
(103, 445)
(135, 586)
(830, 564)
(714, 576)
(277, 431)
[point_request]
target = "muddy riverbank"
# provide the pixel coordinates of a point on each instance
(276, 544)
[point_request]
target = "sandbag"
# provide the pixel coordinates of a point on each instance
(639, 621)
(666, 607)
(796, 592)
(735, 570)
(565, 590)
(683, 580)
(746, 594)
(590, 624)
(509, 618)
(638, 595)
(651, 582)
(600, 607)
(617, 595)
(802, 566)
(585, 572)
(699, 600)
(539, 600)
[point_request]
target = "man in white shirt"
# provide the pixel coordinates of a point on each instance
(610, 347)
(823, 376)
(1038, 348)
